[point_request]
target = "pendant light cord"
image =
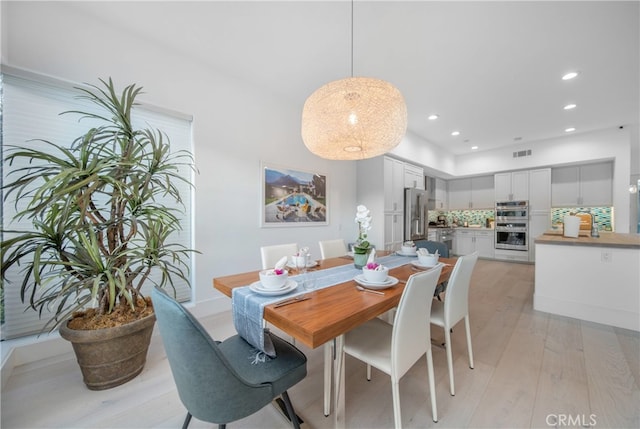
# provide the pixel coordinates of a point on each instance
(351, 38)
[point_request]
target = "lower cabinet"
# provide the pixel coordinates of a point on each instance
(467, 241)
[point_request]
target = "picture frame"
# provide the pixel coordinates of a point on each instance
(292, 197)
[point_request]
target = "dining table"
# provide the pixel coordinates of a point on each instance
(330, 312)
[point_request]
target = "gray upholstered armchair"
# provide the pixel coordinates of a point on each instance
(219, 382)
(432, 246)
(443, 250)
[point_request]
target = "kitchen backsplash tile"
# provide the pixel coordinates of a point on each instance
(603, 215)
(472, 217)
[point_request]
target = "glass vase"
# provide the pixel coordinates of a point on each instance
(360, 259)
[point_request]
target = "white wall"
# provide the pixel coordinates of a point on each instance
(416, 150)
(236, 126)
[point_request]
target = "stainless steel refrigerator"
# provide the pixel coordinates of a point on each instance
(416, 220)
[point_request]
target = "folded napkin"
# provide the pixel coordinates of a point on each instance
(282, 262)
(372, 256)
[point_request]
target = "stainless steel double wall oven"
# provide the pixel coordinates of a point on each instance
(512, 225)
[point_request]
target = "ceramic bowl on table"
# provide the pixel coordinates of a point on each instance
(429, 260)
(375, 275)
(269, 279)
(408, 248)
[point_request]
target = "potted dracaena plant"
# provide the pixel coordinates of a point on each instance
(102, 212)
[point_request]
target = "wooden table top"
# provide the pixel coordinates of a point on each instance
(331, 311)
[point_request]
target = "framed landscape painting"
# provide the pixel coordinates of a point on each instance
(292, 197)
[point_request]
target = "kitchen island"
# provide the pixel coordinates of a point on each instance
(588, 278)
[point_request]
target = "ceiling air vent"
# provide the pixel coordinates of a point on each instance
(522, 153)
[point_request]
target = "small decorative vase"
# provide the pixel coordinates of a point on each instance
(360, 259)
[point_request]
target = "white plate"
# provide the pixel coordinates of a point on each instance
(401, 253)
(389, 282)
(425, 267)
(259, 289)
(310, 264)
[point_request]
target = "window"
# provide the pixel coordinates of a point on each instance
(31, 107)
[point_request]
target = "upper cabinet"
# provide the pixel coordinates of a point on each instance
(482, 192)
(540, 189)
(440, 194)
(393, 185)
(586, 185)
(413, 176)
(473, 193)
(512, 186)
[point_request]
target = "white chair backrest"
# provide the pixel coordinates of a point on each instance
(271, 254)
(456, 301)
(332, 248)
(411, 327)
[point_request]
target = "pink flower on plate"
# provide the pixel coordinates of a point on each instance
(372, 266)
(278, 272)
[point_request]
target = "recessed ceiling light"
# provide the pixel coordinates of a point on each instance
(455, 133)
(569, 106)
(569, 130)
(432, 117)
(474, 147)
(569, 75)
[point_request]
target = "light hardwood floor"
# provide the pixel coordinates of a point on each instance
(531, 369)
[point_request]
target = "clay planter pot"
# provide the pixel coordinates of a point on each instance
(112, 356)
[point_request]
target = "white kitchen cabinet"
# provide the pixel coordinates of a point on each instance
(471, 193)
(413, 176)
(586, 185)
(463, 242)
(393, 231)
(393, 184)
(482, 192)
(459, 194)
(432, 235)
(485, 244)
(468, 241)
(512, 186)
(441, 194)
(540, 190)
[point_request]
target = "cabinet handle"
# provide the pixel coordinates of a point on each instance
(395, 206)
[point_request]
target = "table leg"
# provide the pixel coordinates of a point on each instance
(328, 375)
(340, 400)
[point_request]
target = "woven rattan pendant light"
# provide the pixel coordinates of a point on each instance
(354, 118)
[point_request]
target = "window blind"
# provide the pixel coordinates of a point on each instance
(31, 109)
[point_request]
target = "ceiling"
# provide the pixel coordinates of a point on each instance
(491, 70)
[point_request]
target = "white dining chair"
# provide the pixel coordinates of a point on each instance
(455, 307)
(332, 248)
(394, 349)
(271, 254)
